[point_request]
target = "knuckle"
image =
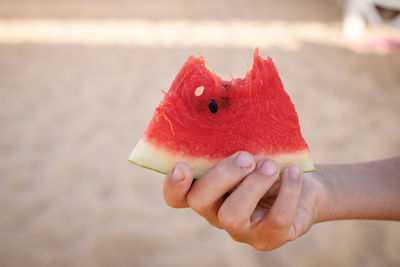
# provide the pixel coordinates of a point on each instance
(265, 243)
(238, 238)
(215, 224)
(198, 206)
(279, 224)
(261, 246)
(226, 220)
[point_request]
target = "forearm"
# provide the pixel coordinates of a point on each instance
(369, 190)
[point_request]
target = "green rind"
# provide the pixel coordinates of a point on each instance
(147, 167)
(162, 172)
(151, 156)
(310, 170)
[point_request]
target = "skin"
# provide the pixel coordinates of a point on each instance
(256, 205)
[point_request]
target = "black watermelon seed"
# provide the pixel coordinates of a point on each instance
(212, 106)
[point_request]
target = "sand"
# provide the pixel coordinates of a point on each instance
(70, 115)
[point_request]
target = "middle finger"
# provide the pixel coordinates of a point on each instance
(207, 192)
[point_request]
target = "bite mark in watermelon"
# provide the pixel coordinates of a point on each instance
(203, 119)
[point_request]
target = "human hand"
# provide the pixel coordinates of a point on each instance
(248, 200)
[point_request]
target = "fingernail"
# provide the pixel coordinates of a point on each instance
(294, 172)
(268, 168)
(243, 160)
(177, 175)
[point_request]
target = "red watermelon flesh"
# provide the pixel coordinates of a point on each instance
(203, 119)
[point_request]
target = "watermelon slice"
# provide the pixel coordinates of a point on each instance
(203, 119)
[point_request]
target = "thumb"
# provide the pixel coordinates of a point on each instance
(177, 184)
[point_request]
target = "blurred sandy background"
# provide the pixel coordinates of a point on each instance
(73, 105)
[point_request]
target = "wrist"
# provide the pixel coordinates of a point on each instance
(366, 190)
(321, 208)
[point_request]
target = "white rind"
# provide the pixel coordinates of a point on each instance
(149, 156)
